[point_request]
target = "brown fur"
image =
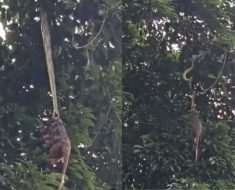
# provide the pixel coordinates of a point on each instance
(196, 124)
(56, 135)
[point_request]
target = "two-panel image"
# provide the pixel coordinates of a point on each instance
(117, 94)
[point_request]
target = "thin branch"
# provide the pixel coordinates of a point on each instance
(217, 78)
(102, 122)
(88, 57)
(92, 40)
(119, 119)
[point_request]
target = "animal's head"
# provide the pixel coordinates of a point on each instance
(55, 121)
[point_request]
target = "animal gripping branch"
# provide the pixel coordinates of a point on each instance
(55, 134)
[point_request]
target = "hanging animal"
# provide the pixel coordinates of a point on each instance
(194, 114)
(55, 134)
(196, 124)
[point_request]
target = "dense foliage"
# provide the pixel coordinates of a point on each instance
(86, 40)
(162, 39)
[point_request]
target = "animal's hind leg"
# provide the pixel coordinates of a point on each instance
(55, 153)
